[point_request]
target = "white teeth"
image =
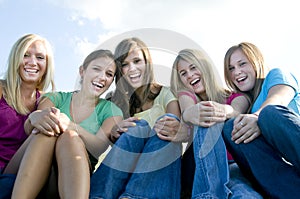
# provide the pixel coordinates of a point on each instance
(31, 70)
(240, 79)
(194, 81)
(134, 75)
(98, 84)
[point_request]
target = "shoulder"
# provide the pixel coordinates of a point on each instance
(278, 76)
(189, 94)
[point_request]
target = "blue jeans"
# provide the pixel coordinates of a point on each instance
(7, 182)
(240, 187)
(139, 165)
(212, 173)
(261, 160)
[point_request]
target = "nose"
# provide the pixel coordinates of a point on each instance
(189, 74)
(102, 76)
(131, 66)
(237, 71)
(31, 60)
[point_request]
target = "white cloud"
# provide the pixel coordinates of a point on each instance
(215, 25)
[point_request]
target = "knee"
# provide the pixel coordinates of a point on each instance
(68, 138)
(268, 112)
(227, 129)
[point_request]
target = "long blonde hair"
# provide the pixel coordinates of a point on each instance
(12, 80)
(213, 87)
(256, 59)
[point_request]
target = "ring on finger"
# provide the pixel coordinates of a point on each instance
(242, 124)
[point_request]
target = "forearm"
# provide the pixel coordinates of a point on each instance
(95, 144)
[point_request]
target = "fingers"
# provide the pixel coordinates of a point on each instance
(245, 129)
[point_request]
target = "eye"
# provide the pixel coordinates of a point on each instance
(26, 55)
(110, 74)
(230, 68)
(41, 57)
(183, 73)
(136, 61)
(243, 63)
(193, 67)
(124, 65)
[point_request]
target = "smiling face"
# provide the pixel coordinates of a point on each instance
(98, 76)
(133, 68)
(34, 63)
(191, 77)
(241, 71)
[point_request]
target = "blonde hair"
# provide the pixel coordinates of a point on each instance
(12, 80)
(256, 59)
(214, 90)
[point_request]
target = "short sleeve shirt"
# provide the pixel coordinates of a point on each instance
(276, 77)
(159, 107)
(103, 110)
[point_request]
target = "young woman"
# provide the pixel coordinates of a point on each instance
(143, 162)
(29, 73)
(264, 142)
(74, 133)
(205, 105)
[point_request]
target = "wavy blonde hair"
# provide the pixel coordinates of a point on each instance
(12, 80)
(213, 87)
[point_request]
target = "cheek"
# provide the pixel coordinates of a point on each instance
(183, 80)
(124, 70)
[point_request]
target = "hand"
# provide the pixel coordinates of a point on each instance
(206, 113)
(122, 127)
(245, 128)
(45, 121)
(65, 123)
(166, 128)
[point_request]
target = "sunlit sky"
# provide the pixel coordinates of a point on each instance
(76, 27)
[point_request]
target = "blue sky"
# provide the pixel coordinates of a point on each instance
(76, 27)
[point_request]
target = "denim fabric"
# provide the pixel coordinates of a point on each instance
(262, 162)
(139, 165)
(7, 182)
(284, 135)
(212, 172)
(240, 187)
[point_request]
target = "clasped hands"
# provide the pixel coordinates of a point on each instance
(166, 128)
(49, 121)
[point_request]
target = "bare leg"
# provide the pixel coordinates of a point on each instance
(14, 164)
(35, 167)
(73, 166)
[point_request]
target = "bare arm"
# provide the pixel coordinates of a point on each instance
(97, 144)
(278, 95)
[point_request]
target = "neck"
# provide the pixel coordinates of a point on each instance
(82, 100)
(28, 91)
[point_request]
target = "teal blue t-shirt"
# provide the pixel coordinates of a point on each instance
(276, 77)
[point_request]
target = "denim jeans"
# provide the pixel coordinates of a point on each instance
(261, 160)
(240, 187)
(139, 165)
(212, 172)
(7, 182)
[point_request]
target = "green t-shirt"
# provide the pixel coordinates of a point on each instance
(104, 109)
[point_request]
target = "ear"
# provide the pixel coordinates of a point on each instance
(81, 70)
